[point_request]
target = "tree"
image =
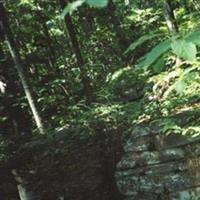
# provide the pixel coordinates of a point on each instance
(76, 48)
(170, 18)
(4, 25)
(79, 154)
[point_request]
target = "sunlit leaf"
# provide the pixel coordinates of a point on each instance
(184, 49)
(193, 37)
(97, 3)
(179, 86)
(159, 65)
(71, 7)
(29, 2)
(192, 76)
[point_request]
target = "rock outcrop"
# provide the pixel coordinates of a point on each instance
(158, 166)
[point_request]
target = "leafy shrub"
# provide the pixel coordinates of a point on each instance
(127, 84)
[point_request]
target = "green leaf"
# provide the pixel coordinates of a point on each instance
(71, 7)
(154, 54)
(184, 49)
(179, 86)
(140, 41)
(193, 37)
(159, 65)
(192, 76)
(29, 2)
(97, 3)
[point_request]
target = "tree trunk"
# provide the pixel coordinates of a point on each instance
(76, 48)
(25, 193)
(13, 112)
(72, 35)
(4, 25)
(170, 17)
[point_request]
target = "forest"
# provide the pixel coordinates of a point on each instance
(99, 100)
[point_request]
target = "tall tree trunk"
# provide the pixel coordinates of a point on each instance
(4, 25)
(76, 48)
(24, 190)
(13, 111)
(171, 22)
(170, 17)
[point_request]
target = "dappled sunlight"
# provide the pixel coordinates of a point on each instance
(99, 100)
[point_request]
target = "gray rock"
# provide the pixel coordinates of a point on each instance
(138, 159)
(172, 140)
(137, 145)
(155, 166)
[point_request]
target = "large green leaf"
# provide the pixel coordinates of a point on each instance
(184, 49)
(154, 54)
(97, 3)
(140, 41)
(159, 65)
(193, 37)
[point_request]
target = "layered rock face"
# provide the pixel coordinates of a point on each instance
(159, 167)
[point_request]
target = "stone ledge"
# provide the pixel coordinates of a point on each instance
(133, 159)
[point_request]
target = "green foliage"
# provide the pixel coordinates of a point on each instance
(127, 84)
(97, 3)
(84, 141)
(190, 196)
(71, 7)
(184, 49)
(154, 54)
(170, 126)
(193, 37)
(29, 2)
(140, 41)
(159, 65)
(180, 86)
(144, 16)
